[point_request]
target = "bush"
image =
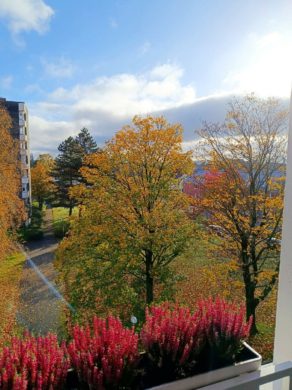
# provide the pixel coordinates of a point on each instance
(60, 228)
(105, 356)
(172, 338)
(225, 329)
(33, 363)
(34, 230)
(179, 343)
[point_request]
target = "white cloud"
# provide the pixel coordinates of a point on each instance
(268, 69)
(61, 68)
(6, 82)
(107, 103)
(129, 94)
(26, 15)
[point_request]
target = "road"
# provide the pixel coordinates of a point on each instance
(41, 304)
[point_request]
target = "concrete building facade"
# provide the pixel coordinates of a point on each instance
(20, 132)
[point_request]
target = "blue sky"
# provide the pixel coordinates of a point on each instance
(97, 63)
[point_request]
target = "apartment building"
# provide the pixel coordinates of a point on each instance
(20, 131)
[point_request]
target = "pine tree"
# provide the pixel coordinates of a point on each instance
(68, 163)
(86, 141)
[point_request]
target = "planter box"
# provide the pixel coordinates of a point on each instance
(252, 363)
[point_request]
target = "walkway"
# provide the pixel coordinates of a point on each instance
(40, 308)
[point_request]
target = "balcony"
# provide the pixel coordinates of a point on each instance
(24, 179)
(25, 194)
(268, 378)
(23, 137)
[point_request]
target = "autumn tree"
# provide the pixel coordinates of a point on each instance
(134, 223)
(242, 190)
(67, 165)
(12, 211)
(41, 179)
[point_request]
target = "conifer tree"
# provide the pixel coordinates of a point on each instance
(68, 163)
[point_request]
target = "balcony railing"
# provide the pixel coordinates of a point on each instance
(265, 377)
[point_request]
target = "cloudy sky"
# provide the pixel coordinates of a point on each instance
(97, 63)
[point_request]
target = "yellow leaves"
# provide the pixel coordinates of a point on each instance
(12, 212)
(41, 180)
(132, 204)
(10, 275)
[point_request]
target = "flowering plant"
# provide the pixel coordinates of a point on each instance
(106, 355)
(36, 363)
(172, 338)
(225, 328)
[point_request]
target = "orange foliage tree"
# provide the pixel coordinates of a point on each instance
(133, 222)
(242, 194)
(42, 180)
(12, 212)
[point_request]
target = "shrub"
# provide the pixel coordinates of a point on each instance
(225, 329)
(33, 363)
(172, 338)
(34, 230)
(105, 356)
(61, 228)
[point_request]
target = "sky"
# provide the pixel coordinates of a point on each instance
(97, 63)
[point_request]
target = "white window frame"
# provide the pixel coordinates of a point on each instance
(283, 331)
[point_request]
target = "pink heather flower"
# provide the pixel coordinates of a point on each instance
(171, 335)
(33, 363)
(103, 355)
(225, 326)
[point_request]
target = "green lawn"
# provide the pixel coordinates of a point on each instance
(10, 276)
(61, 220)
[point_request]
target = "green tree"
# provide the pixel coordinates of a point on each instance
(68, 163)
(86, 142)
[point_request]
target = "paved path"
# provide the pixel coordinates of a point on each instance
(40, 307)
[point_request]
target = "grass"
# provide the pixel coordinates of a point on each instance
(205, 274)
(61, 220)
(10, 276)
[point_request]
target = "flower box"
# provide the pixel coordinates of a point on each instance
(251, 362)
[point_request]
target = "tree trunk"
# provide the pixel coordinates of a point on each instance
(149, 277)
(250, 299)
(251, 305)
(40, 202)
(70, 209)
